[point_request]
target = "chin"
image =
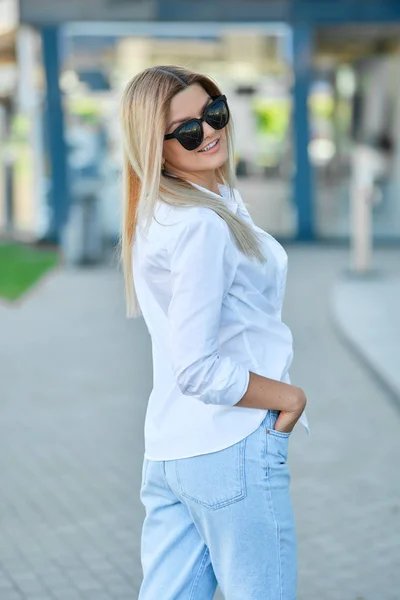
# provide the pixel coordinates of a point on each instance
(216, 161)
(219, 162)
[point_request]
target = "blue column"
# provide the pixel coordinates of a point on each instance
(54, 126)
(303, 188)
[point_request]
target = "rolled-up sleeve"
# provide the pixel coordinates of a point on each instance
(203, 265)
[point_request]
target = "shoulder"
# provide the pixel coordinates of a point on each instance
(187, 236)
(174, 229)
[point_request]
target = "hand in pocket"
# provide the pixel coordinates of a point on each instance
(287, 419)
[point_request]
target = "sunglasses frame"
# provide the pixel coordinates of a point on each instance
(200, 121)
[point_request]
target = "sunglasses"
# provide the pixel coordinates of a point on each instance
(190, 134)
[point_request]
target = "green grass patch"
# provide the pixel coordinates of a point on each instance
(21, 266)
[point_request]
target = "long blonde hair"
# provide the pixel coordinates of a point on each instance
(144, 114)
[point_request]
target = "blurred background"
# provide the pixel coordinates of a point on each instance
(313, 86)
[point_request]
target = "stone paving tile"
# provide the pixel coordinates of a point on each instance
(367, 313)
(75, 376)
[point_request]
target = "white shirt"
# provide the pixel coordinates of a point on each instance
(213, 314)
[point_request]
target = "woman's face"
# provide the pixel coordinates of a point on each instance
(190, 103)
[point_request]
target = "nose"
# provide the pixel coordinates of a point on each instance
(208, 130)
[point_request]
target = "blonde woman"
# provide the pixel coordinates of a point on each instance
(210, 286)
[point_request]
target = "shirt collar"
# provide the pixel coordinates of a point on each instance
(229, 196)
(226, 194)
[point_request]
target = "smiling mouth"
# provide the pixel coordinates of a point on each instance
(209, 146)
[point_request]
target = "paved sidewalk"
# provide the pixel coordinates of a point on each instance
(74, 379)
(366, 310)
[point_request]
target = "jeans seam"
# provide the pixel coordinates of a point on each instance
(280, 434)
(145, 469)
(164, 474)
(200, 572)
(218, 506)
(278, 536)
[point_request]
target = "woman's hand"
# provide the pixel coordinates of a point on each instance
(287, 419)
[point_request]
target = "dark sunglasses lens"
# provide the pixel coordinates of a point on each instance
(190, 135)
(217, 115)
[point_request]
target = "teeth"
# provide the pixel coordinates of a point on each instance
(209, 146)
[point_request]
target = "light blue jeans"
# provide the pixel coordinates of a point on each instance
(223, 518)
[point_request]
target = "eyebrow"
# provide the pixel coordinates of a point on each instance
(188, 118)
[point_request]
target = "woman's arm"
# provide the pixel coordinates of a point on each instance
(266, 393)
(203, 262)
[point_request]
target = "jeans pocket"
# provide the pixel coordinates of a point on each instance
(278, 445)
(279, 434)
(214, 480)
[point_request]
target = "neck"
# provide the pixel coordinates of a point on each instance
(207, 179)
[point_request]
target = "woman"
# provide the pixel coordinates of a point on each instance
(210, 286)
